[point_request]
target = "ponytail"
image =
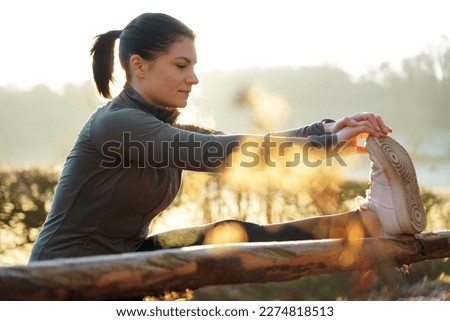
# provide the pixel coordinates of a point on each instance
(102, 53)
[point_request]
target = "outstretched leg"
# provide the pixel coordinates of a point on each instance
(350, 224)
(392, 206)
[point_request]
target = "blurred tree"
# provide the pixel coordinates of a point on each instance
(25, 197)
(444, 68)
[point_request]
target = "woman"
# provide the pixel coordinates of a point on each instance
(126, 165)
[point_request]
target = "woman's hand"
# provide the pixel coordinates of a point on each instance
(374, 124)
(353, 128)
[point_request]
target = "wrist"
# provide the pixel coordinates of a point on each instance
(324, 141)
(328, 125)
(328, 128)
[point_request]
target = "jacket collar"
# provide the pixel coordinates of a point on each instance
(161, 113)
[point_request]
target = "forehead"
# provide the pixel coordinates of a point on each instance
(185, 48)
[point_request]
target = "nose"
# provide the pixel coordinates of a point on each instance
(192, 79)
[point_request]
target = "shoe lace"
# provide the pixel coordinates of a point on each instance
(363, 202)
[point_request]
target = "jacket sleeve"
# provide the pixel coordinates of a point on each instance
(135, 136)
(315, 129)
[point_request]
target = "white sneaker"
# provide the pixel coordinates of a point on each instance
(394, 194)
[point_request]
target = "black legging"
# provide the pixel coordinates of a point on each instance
(226, 231)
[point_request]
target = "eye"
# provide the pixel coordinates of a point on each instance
(181, 66)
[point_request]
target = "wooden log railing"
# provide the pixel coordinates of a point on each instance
(139, 274)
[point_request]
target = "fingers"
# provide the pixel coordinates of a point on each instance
(368, 122)
(343, 122)
(386, 129)
(367, 117)
(375, 121)
(348, 133)
(348, 121)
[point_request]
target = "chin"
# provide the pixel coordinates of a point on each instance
(182, 104)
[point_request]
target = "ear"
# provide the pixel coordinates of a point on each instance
(138, 66)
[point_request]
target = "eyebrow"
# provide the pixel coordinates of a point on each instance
(184, 58)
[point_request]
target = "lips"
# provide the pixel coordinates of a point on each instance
(185, 92)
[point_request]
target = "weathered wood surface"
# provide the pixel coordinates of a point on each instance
(116, 276)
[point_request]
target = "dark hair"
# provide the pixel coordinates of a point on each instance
(148, 35)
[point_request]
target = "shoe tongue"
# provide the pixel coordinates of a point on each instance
(379, 176)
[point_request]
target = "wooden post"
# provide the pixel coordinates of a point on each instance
(139, 274)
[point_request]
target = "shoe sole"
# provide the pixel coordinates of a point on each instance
(411, 212)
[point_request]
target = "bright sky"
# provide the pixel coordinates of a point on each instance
(49, 41)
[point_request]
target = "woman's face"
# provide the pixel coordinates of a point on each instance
(168, 80)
